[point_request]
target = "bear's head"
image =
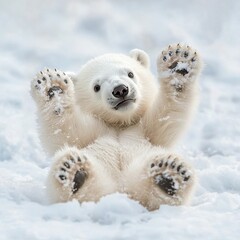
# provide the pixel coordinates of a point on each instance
(116, 88)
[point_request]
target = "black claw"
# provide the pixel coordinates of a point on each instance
(55, 69)
(173, 165)
(67, 165)
(179, 167)
(44, 79)
(177, 51)
(152, 165)
(58, 75)
(166, 183)
(48, 70)
(160, 164)
(193, 59)
(186, 178)
(41, 72)
(183, 172)
(79, 180)
(49, 75)
(166, 164)
(62, 177)
(79, 159)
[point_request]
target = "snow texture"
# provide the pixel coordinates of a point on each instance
(64, 35)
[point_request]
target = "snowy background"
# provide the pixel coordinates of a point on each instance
(65, 34)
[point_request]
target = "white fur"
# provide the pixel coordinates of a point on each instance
(119, 147)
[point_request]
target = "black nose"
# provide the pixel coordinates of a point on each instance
(120, 91)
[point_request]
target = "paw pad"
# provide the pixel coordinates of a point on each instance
(54, 90)
(79, 180)
(166, 183)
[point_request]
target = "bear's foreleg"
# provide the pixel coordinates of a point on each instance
(76, 174)
(60, 119)
(178, 69)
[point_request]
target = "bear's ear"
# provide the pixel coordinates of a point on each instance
(140, 56)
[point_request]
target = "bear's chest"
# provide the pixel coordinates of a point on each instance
(131, 140)
(118, 148)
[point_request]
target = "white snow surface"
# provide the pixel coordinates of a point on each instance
(65, 34)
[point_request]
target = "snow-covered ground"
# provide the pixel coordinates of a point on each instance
(64, 34)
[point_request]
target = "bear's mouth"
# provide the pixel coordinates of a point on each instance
(124, 103)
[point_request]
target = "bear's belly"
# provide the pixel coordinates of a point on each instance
(118, 149)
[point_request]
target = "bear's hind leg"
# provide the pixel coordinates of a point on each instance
(75, 174)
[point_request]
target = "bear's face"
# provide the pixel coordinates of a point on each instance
(116, 88)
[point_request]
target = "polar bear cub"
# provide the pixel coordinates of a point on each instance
(111, 126)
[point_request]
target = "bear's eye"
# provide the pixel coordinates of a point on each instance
(130, 74)
(97, 88)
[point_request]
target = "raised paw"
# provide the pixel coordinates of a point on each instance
(53, 84)
(179, 65)
(72, 171)
(170, 174)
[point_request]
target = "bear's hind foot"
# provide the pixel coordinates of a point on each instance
(171, 175)
(77, 174)
(72, 170)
